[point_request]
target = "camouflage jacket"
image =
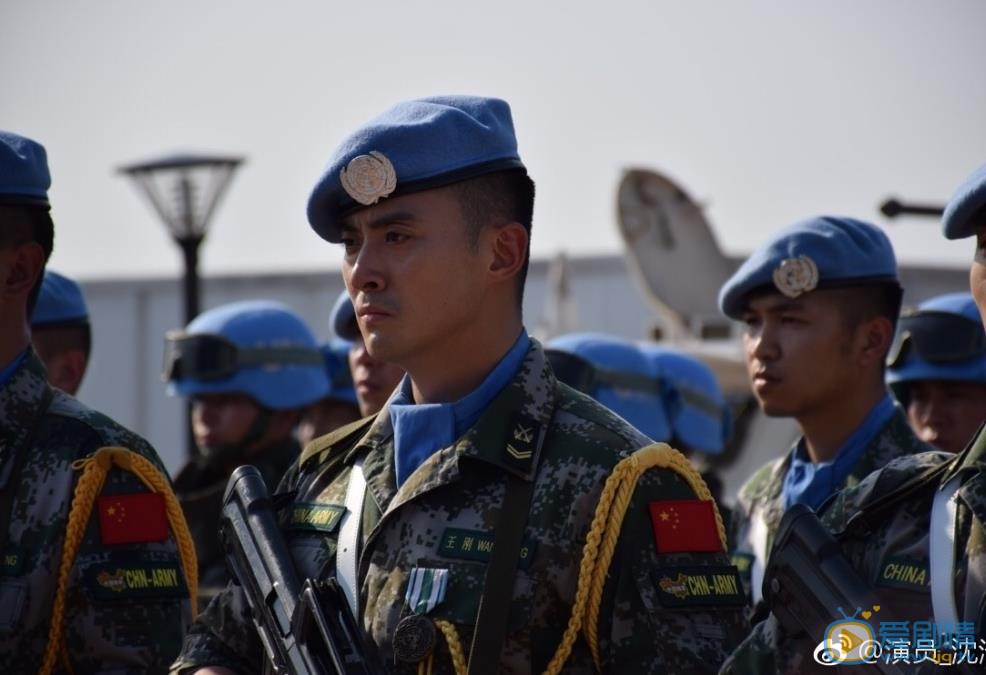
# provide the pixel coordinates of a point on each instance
(200, 492)
(127, 603)
(444, 515)
(891, 553)
(760, 504)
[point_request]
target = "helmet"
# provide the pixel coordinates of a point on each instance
(693, 402)
(336, 356)
(614, 372)
(342, 321)
(943, 339)
(257, 347)
(60, 302)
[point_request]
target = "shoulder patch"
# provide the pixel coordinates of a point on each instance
(683, 525)
(315, 516)
(132, 518)
(127, 576)
(696, 586)
(910, 574)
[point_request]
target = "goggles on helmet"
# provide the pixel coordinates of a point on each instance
(937, 337)
(213, 357)
(580, 374)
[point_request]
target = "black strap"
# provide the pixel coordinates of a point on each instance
(20, 457)
(498, 587)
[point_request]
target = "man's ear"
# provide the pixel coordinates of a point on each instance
(509, 250)
(26, 267)
(877, 334)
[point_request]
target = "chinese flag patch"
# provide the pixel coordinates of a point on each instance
(132, 518)
(685, 525)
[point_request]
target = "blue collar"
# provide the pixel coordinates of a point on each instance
(809, 483)
(421, 429)
(12, 367)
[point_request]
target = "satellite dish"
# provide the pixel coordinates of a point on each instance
(672, 252)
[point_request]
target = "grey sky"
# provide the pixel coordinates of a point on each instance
(766, 111)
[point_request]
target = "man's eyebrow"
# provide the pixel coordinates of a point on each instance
(381, 220)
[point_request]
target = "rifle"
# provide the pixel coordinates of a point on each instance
(808, 576)
(306, 628)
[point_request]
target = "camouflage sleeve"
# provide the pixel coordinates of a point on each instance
(667, 608)
(768, 651)
(222, 635)
(128, 598)
(126, 601)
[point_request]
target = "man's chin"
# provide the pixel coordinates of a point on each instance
(773, 408)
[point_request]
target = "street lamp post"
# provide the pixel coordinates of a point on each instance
(184, 190)
(893, 207)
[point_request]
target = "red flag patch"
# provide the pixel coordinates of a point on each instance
(685, 525)
(132, 518)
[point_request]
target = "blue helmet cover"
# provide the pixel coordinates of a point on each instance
(259, 324)
(693, 401)
(643, 410)
(914, 368)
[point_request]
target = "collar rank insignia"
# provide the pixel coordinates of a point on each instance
(795, 276)
(368, 178)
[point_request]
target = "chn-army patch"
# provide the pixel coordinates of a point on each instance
(128, 576)
(697, 586)
(312, 516)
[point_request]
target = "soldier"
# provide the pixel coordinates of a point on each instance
(250, 368)
(60, 331)
(914, 530)
(937, 370)
(340, 406)
(92, 578)
(819, 301)
(374, 380)
(481, 475)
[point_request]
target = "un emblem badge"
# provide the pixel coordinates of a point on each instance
(795, 276)
(368, 178)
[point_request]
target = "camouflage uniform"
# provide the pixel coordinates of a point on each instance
(760, 499)
(113, 621)
(892, 555)
(200, 492)
(440, 516)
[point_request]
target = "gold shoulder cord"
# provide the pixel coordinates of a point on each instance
(597, 554)
(94, 469)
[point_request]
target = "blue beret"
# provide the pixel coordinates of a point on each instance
(24, 173)
(958, 221)
(60, 301)
(343, 319)
(822, 252)
(416, 145)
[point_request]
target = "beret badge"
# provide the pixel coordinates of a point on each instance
(795, 276)
(368, 178)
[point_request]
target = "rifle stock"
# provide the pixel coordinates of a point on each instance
(808, 578)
